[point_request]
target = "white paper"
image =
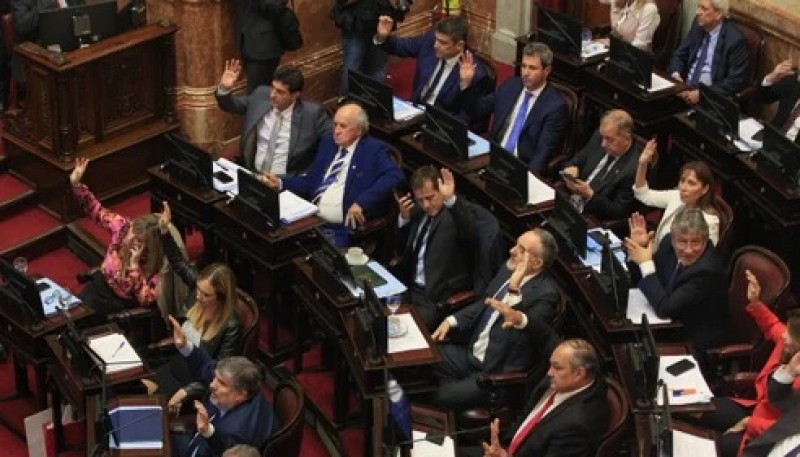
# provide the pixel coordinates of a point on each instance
(638, 305)
(688, 445)
(616, 243)
(412, 340)
(393, 285)
(479, 147)
(425, 448)
(116, 351)
(658, 83)
(294, 208)
(539, 191)
(677, 386)
(592, 49)
(404, 110)
(594, 259)
(231, 169)
(55, 295)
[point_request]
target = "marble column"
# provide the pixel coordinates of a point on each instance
(512, 20)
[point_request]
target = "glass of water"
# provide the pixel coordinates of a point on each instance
(393, 303)
(586, 37)
(21, 265)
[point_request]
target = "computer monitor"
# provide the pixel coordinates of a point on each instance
(643, 357)
(22, 292)
(717, 113)
(191, 164)
(371, 326)
(332, 260)
(73, 26)
(618, 281)
(569, 224)
(506, 173)
(629, 64)
(257, 201)
(780, 154)
(374, 96)
(660, 427)
(561, 32)
(445, 132)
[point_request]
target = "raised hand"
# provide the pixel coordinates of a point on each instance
(520, 271)
(511, 317)
(440, 334)
(405, 204)
(466, 69)
(753, 287)
(794, 364)
(648, 153)
(202, 417)
(447, 184)
(780, 71)
(136, 254)
(233, 69)
(385, 26)
(174, 403)
(638, 253)
(164, 219)
(77, 173)
(638, 229)
(493, 449)
(178, 337)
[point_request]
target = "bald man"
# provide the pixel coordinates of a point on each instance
(351, 178)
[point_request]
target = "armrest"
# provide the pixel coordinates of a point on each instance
(601, 31)
(183, 423)
(133, 313)
(486, 381)
(165, 345)
(746, 94)
(459, 299)
(741, 384)
(371, 226)
(730, 351)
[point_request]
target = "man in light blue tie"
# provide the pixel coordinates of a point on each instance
(352, 176)
(713, 53)
(489, 345)
(530, 116)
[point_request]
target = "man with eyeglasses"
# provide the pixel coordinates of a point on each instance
(683, 278)
(484, 342)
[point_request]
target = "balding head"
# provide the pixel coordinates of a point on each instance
(349, 124)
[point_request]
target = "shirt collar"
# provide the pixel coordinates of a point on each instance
(564, 396)
(715, 31)
(452, 61)
(536, 92)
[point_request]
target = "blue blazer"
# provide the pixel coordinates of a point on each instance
(451, 97)
(729, 69)
(544, 129)
(252, 422)
(370, 179)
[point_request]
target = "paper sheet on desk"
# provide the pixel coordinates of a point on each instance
(688, 445)
(116, 351)
(412, 340)
(404, 110)
(392, 287)
(594, 259)
(691, 380)
(55, 295)
(539, 191)
(595, 48)
(480, 145)
(294, 208)
(658, 83)
(229, 168)
(748, 127)
(425, 448)
(638, 305)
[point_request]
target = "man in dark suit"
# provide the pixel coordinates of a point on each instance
(683, 279)
(439, 55)
(783, 438)
(25, 15)
(352, 175)
(488, 344)
(232, 411)
(713, 53)
(782, 86)
(258, 40)
(297, 124)
(436, 236)
(530, 116)
(600, 177)
(567, 414)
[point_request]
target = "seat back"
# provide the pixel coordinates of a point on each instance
(668, 32)
(481, 126)
(289, 404)
(491, 251)
(573, 129)
(725, 214)
(618, 412)
(755, 47)
(7, 24)
(247, 311)
(773, 276)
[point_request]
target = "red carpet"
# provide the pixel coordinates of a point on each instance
(35, 220)
(11, 187)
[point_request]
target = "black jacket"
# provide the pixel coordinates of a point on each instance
(258, 37)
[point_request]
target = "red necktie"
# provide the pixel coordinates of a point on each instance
(522, 435)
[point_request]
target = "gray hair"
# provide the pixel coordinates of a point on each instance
(689, 220)
(722, 5)
(549, 246)
(244, 374)
(539, 49)
(360, 117)
(583, 356)
(620, 119)
(241, 450)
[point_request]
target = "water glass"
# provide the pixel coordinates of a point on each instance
(586, 37)
(21, 265)
(393, 303)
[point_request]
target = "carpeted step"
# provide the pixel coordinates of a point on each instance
(30, 233)
(14, 195)
(60, 265)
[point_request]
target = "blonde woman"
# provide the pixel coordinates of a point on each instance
(635, 21)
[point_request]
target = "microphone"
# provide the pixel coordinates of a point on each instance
(102, 444)
(438, 438)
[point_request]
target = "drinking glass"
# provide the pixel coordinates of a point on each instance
(21, 265)
(393, 303)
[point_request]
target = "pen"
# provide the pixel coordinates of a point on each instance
(116, 351)
(681, 392)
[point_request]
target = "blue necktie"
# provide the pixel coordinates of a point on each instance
(488, 311)
(519, 121)
(331, 176)
(694, 78)
(434, 83)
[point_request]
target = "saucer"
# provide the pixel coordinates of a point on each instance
(395, 328)
(356, 260)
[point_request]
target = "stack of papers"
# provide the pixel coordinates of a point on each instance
(116, 352)
(685, 389)
(748, 127)
(479, 145)
(412, 340)
(425, 448)
(54, 296)
(687, 445)
(229, 168)
(595, 48)
(638, 305)
(136, 427)
(404, 110)
(539, 191)
(658, 83)
(294, 208)
(594, 251)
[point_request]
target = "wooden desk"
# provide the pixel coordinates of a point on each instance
(130, 400)
(384, 129)
(80, 389)
(566, 68)
(417, 154)
(693, 144)
(626, 378)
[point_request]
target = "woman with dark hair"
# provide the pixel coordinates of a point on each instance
(695, 190)
(211, 319)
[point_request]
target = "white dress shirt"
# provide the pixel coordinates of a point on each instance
(331, 201)
(279, 158)
(449, 64)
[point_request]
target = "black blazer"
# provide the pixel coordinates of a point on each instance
(448, 265)
(257, 29)
(786, 92)
(613, 194)
(510, 349)
(697, 296)
(573, 429)
(783, 397)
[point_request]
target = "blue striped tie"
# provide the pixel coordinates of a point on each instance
(519, 121)
(330, 177)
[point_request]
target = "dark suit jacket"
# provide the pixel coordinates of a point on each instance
(544, 129)
(25, 16)
(310, 122)
(786, 92)
(370, 179)
(451, 97)
(257, 35)
(252, 422)
(573, 429)
(785, 398)
(613, 195)
(448, 267)
(511, 349)
(697, 296)
(729, 69)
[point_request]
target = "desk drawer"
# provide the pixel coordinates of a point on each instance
(19, 341)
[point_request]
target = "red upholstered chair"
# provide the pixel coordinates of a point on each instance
(573, 130)
(289, 403)
(755, 46)
(774, 277)
(618, 413)
(725, 214)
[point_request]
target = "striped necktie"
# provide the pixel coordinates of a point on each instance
(330, 177)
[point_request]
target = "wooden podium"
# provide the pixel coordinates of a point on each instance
(109, 102)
